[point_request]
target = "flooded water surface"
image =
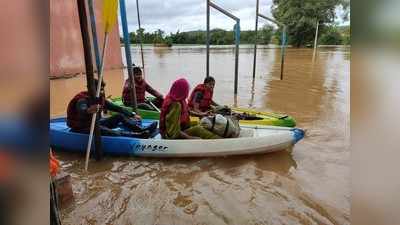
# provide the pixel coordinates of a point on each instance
(308, 185)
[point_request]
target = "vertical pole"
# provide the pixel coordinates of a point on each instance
(253, 88)
(255, 41)
(87, 51)
(237, 41)
(128, 56)
(208, 40)
(316, 39)
(94, 35)
(140, 36)
(284, 37)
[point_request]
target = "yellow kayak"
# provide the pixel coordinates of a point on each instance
(252, 117)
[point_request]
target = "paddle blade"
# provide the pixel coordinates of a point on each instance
(110, 12)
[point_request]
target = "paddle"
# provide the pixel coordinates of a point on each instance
(155, 107)
(110, 8)
(270, 114)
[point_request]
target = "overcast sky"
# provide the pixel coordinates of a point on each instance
(188, 15)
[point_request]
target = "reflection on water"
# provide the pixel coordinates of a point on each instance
(307, 185)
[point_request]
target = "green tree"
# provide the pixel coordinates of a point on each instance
(217, 37)
(247, 37)
(265, 34)
(331, 36)
(346, 34)
(301, 17)
(158, 36)
(168, 41)
(139, 34)
(133, 37)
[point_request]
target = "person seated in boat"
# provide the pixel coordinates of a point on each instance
(201, 101)
(81, 108)
(141, 87)
(174, 117)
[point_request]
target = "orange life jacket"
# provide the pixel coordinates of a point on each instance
(54, 165)
(205, 102)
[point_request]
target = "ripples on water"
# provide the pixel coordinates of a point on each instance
(308, 184)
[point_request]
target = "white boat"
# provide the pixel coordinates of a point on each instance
(253, 139)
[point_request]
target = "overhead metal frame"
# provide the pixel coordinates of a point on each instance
(284, 39)
(237, 40)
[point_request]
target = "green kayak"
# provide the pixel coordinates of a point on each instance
(252, 117)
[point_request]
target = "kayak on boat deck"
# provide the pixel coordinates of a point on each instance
(252, 116)
(253, 139)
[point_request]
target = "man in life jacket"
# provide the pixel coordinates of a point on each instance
(81, 108)
(141, 87)
(200, 101)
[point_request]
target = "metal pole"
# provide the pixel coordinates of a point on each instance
(208, 40)
(316, 39)
(269, 19)
(128, 56)
(252, 93)
(283, 41)
(87, 50)
(94, 35)
(283, 50)
(255, 42)
(237, 41)
(223, 11)
(140, 36)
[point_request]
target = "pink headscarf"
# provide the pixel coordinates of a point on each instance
(178, 93)
(179, 90)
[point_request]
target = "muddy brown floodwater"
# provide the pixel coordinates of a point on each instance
(310, 185)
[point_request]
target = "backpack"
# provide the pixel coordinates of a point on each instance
(224, 126)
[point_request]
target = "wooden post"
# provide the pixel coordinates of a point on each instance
(87, 50)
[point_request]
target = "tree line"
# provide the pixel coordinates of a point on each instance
(328, 35)
(300, 17)
(217, 37)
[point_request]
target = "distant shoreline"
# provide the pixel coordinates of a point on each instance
(221, 46)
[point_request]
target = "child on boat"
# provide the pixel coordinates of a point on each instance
(81, 108)
(141, 87)
(174, 117)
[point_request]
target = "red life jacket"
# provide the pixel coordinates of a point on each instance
(205, 102)
(140, 92)
(75, 119)
(184, 118)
